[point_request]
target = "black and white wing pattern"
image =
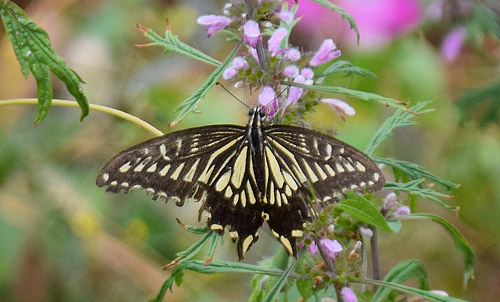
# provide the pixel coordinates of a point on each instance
(243, 176)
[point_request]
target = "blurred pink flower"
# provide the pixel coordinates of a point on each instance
(378, 21)
(452, 44)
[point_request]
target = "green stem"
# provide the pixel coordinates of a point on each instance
(118, 113)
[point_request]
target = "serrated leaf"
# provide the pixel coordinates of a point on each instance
(461, 243)
(415, 171)
(401, 272)
(172, 42)
(414, 187)
(344, 14)
(191, 102)
(362, 95)
(35, 53)
(209, 238)
(400, 118)
(363, 210)
(342, 66)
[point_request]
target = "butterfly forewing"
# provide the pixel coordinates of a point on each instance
(245, 176)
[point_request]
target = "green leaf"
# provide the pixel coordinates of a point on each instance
(172, 42)
(362, 95)
(262, 285)
(190, 103)
(400, 273)
(415, 171)
(363, 210)
(480, 104)
(347, 67)
(210, 238)
(305, 287)
(344, 14)
(461, 243)
(401, 118)
(487, 19)
(280, 283)
(35, 53)
(414, 187)
(413, 291)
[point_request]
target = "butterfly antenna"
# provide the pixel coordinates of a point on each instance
(234, 96)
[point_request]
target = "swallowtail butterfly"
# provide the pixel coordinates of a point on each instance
(243, 176)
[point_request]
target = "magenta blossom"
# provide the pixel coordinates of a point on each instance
(251, 33)
(286, 16)
(326, 52)
(341, 108)
(348, 295)
(213, 23)
(275, 40)
(452, 44)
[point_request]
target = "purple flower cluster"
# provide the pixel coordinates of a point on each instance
(288, 63)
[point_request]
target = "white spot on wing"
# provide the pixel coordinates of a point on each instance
(125, 167)
(152, 168)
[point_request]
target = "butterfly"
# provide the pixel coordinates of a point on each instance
(245, 176)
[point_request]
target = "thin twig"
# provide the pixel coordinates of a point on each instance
(375, 254)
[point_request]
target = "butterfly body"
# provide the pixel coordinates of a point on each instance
(244, 176)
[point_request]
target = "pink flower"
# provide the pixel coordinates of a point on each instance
(295, 93)
(331, 248)
(401, 211)
(275, 40)
(326, 52)
(253, 53)
(379, 22)
(251, 33)
(308, 73)
(348, 295)
(267, 99)
(341, 108)
(286, 16)
(452, 44)
(293, 54)
(239, 63)
(213, 23)
(389, 201)
(229, 73)
(267, 95)
(291, 71)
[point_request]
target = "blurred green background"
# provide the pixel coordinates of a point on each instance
(64, 239)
